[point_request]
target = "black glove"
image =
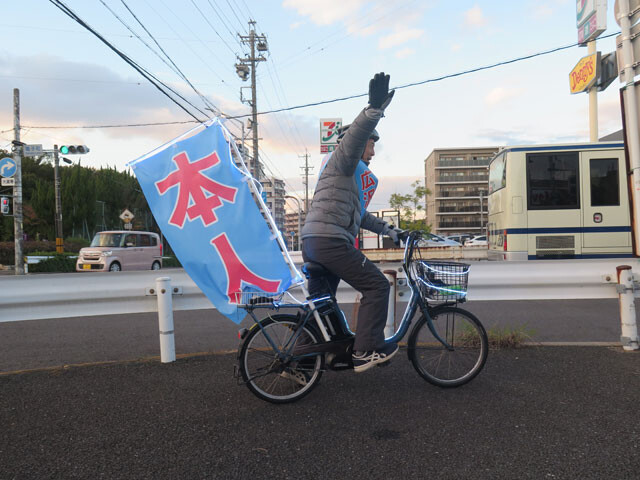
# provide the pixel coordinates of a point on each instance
(379, 95)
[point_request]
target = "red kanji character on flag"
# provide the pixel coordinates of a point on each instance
(192, 186)
(237, 271)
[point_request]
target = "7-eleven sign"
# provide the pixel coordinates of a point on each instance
(329, 134)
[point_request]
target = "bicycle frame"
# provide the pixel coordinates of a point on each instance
(311, 307)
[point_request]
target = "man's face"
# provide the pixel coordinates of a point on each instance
(369, 151)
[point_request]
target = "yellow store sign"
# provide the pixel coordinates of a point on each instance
(584, 74)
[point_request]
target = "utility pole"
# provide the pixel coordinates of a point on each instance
(17, 187)
(305, 174)
(247, 66)
(56, 183)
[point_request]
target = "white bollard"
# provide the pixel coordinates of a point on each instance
(390, 326)
(629, 337)
(165, 320)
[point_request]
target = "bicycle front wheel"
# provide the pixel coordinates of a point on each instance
(264, 371)
(460, 361)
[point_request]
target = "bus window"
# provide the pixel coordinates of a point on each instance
(498, 173)
(605, 185)
(552, 181)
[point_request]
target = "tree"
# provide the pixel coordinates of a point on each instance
(410, 205)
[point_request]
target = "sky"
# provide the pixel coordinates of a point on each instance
(319, 51)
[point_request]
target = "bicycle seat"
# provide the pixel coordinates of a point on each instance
(313, 269)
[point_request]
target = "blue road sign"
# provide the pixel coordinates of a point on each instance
(7, 167)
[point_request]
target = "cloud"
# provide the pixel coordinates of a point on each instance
(404, 53)
(456, 47)
(326, 12)
(499, 95)
(398, 38)
(296, 25)
(474, 17)
(59, 92)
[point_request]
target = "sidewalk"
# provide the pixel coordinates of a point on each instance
(534, 412)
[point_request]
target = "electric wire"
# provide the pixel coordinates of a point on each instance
(431, 80)
(198, 39)
(212, 27)
(219, 13)
(335, 100)
(150, 77)
(237, 18)
(180, 73)
(171, 66)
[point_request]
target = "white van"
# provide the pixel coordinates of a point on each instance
(121, 250)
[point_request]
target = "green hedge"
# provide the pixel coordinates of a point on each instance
(170, 262)
(58, 263)
(32, 247)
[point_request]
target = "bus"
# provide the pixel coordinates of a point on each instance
(559, 201)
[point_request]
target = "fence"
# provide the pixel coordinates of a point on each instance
(72, 295)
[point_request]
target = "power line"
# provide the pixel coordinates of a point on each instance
(174, 16)
(171, 66)
(150, 77)
(212, 27)
(431, 80)
(323, 102)
(180, 73)
(110, 126)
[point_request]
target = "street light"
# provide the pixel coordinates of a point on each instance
(299, 218)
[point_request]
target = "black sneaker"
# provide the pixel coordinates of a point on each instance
(363, 361)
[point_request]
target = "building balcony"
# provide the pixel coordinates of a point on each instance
(462, 163)
(462, 178)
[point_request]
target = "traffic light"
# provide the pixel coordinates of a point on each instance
(4, 205)
(73, 149)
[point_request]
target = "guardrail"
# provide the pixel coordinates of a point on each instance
(50, 296)
(45, 296)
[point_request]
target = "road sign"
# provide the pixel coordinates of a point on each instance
(633, 4)
(8, 182)
(7, 167)
(584, 74)
(32, 150)
(126, 216)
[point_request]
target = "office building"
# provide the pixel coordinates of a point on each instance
(458, 179)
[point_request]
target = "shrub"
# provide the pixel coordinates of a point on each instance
(42, 247)
(57, 263)
(170, 262)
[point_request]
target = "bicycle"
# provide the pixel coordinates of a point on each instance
(282, 357)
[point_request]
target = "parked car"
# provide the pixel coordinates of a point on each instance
(121, 250)
(479, 240)
(460, 237)
(432, 240)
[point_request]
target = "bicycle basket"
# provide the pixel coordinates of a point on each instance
(440, 281)
(248, 299)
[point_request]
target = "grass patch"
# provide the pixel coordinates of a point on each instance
(509, 337)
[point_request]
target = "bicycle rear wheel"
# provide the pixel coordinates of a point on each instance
(448, 367)
(266, 375)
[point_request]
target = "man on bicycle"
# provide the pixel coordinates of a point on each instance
(334, 220)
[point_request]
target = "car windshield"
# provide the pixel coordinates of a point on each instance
(106, 240)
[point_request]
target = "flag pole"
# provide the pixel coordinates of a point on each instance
(298, 280)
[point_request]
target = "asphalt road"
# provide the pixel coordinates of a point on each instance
(535, 412)
(45, 343)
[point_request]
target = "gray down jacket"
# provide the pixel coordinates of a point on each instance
(336, 211)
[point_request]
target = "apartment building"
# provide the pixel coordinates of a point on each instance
(458, 179)
(291, 225)
(273, 189)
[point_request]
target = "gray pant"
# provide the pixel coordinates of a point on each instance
(348, 263)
